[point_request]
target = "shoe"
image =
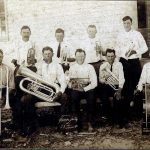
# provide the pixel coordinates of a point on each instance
(90, 128)
(13, 127)
(20, 137)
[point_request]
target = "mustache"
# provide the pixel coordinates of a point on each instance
(27, 36)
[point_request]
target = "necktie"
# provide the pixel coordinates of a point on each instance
(111, 68)
(58, 51)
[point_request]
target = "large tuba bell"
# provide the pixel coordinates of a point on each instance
(35, 85)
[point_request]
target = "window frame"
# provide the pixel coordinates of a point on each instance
(5, 37)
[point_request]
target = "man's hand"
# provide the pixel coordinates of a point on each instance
(118, 94)
(14, 61)
(80, 89)
(137, 92)
(107, 75)
(57, 97)
(98, 49)
(130, 53)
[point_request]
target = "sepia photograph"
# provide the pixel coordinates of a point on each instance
(74, 74)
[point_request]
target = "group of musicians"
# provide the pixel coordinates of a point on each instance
(112, 73)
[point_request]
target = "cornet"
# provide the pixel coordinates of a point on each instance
(111, 79)
(97, 47)
(64, 56)
(132, 45)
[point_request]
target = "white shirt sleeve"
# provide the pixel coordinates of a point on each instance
(93, 79)
(39, 68)
(121, 76)
(11, 79)
(142, 44)
(61, 78)
(142, 79)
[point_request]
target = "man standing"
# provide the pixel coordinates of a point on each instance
(93, 47)
(130, 46)
(83, 81)
(20, 47)
(52, 72)
(63, 52)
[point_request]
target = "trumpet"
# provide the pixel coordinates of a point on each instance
(64, 56)
(36, 85)
(132, 45)
(7, 105)
(112, 80)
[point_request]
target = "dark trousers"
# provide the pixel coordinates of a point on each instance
(111, 108)
(24, 111)
(76, 97)
(11, 98)
(132, 71)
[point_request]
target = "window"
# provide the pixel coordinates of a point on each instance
(142, 22)
(3, 24)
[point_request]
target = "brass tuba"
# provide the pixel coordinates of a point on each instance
(36, 85)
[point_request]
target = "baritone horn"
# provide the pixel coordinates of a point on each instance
(36, 85)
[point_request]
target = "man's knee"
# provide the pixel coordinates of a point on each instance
(26, 99)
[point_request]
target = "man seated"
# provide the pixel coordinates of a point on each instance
(111, 77)
(52, 72)
(139, 94)
(24, 114)
(82, 83)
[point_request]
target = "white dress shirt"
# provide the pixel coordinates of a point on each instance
(84, 71)
(20, 50)
(130, 40)
(3, 76)
(66, 49)
(145, 76)
(52, 73)
(89, 45)
(117, 70)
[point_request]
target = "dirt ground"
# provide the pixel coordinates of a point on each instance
(104, 137)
